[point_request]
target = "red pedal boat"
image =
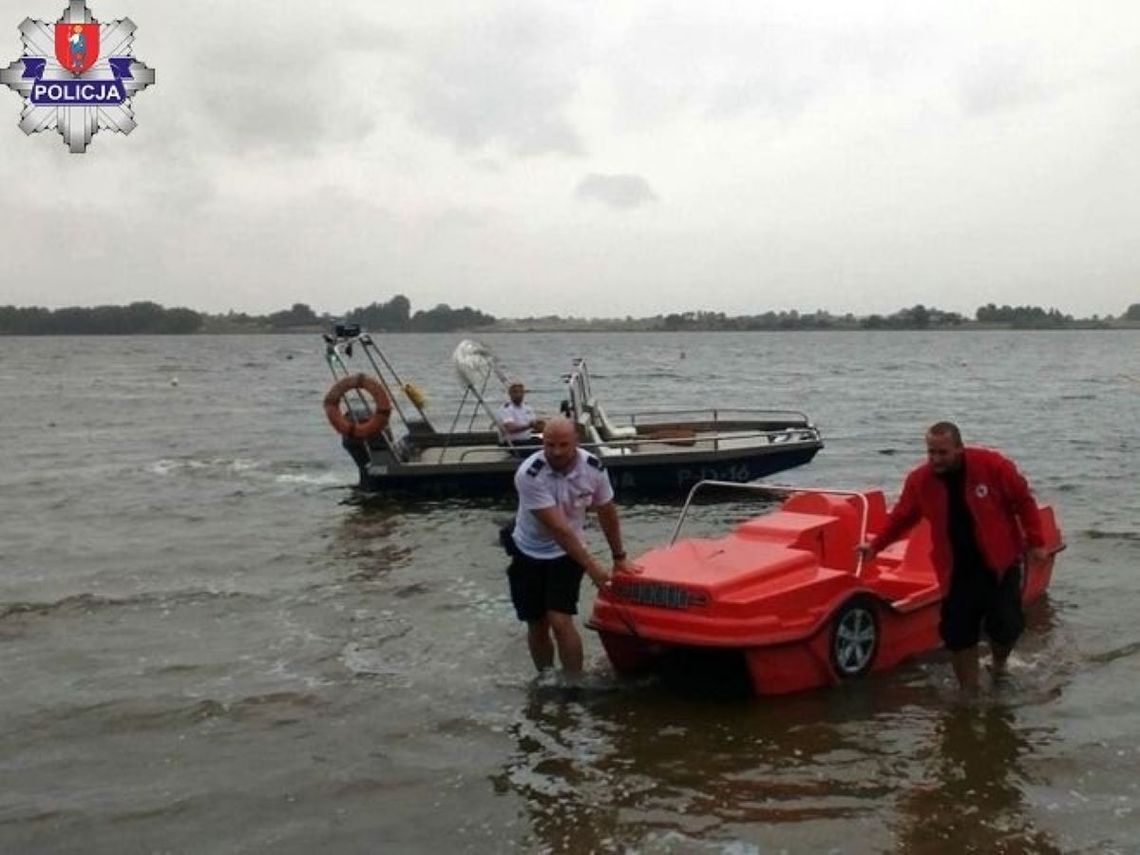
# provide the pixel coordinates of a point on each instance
(788, 591)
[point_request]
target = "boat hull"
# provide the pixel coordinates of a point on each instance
(784, 668)
(628, 475)
(794, 666)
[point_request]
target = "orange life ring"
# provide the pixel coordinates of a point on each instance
(371, 426)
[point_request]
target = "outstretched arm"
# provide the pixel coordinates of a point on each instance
(611, 528)
(565, 536)
(1024, 507)
(905, 514)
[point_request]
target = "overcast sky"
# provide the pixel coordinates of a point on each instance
(594, 158)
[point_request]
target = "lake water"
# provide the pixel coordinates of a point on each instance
(207, 645)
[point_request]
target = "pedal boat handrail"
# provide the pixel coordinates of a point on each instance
(759, 487)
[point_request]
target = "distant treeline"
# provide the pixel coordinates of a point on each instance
(135, 319)
(152, 319)
(918, 317)
(396, 315)
(393, 316)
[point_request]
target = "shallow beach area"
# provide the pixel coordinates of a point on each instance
(210, 643)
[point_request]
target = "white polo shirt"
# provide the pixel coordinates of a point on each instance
(586, 485)
(519, 414)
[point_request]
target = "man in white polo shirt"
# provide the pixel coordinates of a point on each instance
(516, 419)
(556, 487)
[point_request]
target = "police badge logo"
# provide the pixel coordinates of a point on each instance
(78, 76)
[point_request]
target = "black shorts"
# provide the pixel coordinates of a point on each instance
(979, 599)
(541, 585)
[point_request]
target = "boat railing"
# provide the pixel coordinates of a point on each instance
(737, 436)
(484, 449)
(715, 415)
(639, 442)
(767, 489)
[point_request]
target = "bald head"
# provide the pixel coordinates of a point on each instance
(560, 443)
(560, 427)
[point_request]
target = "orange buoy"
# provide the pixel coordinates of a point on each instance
(340, 421)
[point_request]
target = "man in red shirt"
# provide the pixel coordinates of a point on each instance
(983, 520)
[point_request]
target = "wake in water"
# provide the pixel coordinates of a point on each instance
(87, 603)
(1097, 534)
(245, 469)
(555, 684)
(1108, 656)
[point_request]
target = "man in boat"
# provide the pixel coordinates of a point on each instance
(983, 520)
(516, 418)
(556, 486)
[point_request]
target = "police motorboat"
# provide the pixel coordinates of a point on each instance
(384, 426)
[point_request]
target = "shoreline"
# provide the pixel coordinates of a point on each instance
(396, 316)
(515, 330)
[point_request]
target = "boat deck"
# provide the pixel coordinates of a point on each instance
(466, 454)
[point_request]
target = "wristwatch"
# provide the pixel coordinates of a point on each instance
(618, 556)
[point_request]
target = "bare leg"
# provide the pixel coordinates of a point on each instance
(568, 640)
(540, 644)
(966, 668)
(1000, 657)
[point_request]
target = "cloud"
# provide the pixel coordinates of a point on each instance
(255, 106)
(617, 191)
(254, 82)
(505, 79)
(370, 37)
(774, 61)
(999, 83)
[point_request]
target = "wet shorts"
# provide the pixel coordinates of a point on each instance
(979, 599)
(541, 585)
